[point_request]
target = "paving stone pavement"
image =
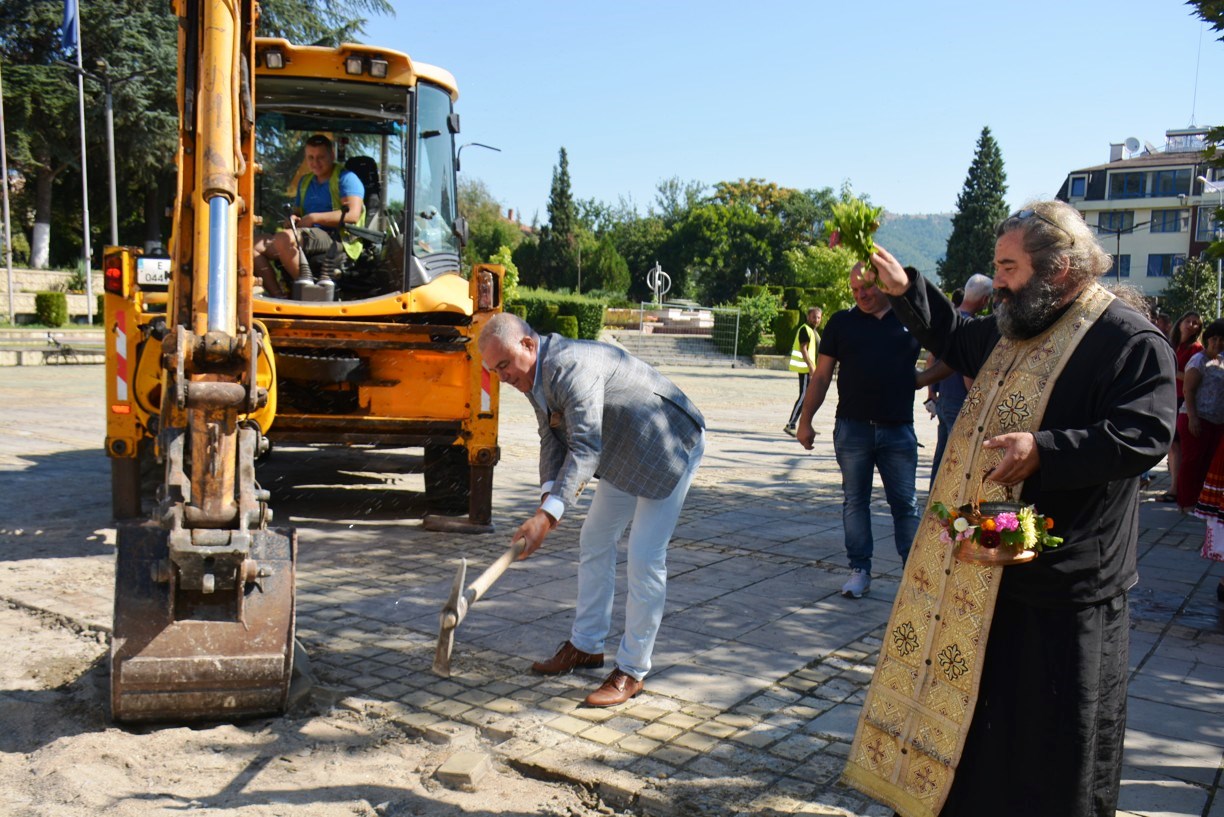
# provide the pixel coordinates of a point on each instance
(760, 667)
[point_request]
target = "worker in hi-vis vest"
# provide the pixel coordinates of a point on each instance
(803, 360)
(325, 196)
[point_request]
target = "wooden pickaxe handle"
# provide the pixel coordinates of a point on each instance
(461, 600)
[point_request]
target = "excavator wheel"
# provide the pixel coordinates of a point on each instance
(179, 655)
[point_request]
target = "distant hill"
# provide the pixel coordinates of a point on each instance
(918, 240)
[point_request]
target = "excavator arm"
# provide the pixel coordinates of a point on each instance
(204, 595)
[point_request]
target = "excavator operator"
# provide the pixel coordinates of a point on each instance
(324, 196)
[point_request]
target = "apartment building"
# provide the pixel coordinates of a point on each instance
(1149, 206)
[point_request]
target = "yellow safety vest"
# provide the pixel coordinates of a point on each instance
(352, 247)
(797, 363)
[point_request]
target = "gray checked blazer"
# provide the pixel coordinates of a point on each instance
(610, 415)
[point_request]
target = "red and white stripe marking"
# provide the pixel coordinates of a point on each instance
(121, 361)
(486, 397)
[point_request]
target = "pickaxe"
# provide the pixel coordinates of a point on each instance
(461, 601)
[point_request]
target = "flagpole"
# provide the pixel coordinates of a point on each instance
(85, 251)
(8, 232)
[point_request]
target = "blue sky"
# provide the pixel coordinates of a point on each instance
(888, 95)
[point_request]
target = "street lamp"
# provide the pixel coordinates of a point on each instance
(108, 83)
(1219, 234)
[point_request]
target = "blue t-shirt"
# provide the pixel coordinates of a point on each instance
(317, 198)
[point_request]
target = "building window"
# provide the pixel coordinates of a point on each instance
(1206, 224)
(1167, 221)
(1171, 182)
(1079, 187)
(1116, 221)
(1127, 185)
(1120, 267)
(1162, 266)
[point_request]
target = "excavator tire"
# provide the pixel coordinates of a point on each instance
(178, 655)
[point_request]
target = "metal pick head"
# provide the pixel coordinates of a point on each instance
(448, 619)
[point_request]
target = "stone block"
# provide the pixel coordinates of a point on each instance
(464, 770)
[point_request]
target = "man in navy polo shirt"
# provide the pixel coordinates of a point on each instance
(874, 428)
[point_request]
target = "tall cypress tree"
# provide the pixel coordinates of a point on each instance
(979, 209)
(559, 238)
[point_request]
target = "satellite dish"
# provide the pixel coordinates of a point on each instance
(1132, 145)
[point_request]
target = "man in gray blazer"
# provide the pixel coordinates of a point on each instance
(604, 413)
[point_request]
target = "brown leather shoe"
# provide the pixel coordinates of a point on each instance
(568, 659)
(616, 689)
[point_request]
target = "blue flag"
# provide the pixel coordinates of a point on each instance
(68, 38)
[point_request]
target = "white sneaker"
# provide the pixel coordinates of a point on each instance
(858, 584)
(790, 430)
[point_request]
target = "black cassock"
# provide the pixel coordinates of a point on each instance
(1046, 736)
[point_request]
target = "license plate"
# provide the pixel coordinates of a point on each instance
(153, 271)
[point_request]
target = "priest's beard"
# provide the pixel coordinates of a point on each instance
(1023, 313)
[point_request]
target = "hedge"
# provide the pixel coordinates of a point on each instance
(566, 326)
(543, 309)
(792, 298)
(750, 291)
(51, 308)
(784, 328)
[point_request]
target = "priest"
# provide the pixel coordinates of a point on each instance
(1002, 690)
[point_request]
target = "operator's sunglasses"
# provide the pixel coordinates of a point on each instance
(1024, 215)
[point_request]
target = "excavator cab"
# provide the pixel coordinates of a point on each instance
(399, 141)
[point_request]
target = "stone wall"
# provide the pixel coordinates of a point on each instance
(27, 282)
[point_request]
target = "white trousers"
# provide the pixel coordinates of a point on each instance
(653, 520)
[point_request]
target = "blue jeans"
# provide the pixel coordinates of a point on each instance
(861, 448)
(946, 415)
(653, 522)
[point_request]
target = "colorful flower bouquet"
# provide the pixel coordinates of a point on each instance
(996, 533)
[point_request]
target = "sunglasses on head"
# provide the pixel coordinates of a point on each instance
(1024, 215)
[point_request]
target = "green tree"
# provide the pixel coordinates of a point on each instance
(136, 38)
(318, 22)
(488, 231)
(558, 260)
(979, 209)
(604, 269)
(1211, 11)
(724, 243)
(825, 270)
(641, 241)
(510, 282)
(675, 198)
(1192, 286)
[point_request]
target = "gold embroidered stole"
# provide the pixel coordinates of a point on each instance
(912, 728)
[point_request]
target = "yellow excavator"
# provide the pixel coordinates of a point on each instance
(205, 371)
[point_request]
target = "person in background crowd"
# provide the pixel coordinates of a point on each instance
(1184, 336)
(951, 390)
(1200, 421)
(803, 360)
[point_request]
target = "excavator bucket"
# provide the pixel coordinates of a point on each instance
(185, 654)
